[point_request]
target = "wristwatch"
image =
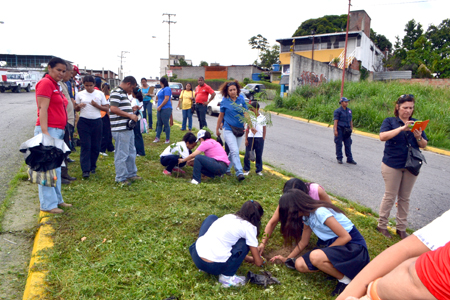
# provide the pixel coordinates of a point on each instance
(419, 139)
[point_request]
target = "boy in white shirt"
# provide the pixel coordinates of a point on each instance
(254, 139)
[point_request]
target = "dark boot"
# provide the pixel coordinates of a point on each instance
(65, 174)
(65, 181)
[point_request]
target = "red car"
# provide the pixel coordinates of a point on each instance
(176, 88)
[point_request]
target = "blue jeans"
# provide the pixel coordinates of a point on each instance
(50, 197)
(258, 146)
(163, 117)
(170, 162)
(207, 166)
(125, 155)
(347, 143)
(187, 115)
(148, 107)
(201, 114)
(228, 268)
(233, 143)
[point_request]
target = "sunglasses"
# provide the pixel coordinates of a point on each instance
(407, 95)
(231, 83)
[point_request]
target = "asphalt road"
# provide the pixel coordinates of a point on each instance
(17, 120)
(308, 151)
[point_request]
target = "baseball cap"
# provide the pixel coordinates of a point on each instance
(343, 99)
(76, 69)
(200, 134)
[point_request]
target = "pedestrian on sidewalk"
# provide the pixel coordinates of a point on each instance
(202, 92)
(90, 102)
(51, 120)
(121, 113)
(106, 143)
(343, 127)
(254, 139)
(185, 103)
(399, 182)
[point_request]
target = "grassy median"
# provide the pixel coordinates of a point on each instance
(137, 237)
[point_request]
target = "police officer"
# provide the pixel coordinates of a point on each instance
(343, 127)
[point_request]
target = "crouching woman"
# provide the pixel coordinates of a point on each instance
(223, 243)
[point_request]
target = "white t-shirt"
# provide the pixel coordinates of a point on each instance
(89, 111)
(179, 147)
(436, 234)
(258, 123)
(215, 245)
(135, 102)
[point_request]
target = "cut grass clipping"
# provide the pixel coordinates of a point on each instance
(137, 237)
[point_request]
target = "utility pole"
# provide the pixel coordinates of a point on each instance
(168, 22)
(122, 56)
(312, 54)
(345, 49)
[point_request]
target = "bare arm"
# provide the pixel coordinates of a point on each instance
(343, 236)
(323, 196)
(43, 104)
(219, 122)
(257, 259)
(264, 132)
(191, 156)
(270, 227)
(301, 245)
(116, 110)
(387, 135)
(384, 263)
(100, 107)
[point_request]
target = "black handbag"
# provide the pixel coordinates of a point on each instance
(237, 131)
(414, 160)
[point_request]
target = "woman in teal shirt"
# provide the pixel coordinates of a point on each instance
(164, 110)
(147, 106)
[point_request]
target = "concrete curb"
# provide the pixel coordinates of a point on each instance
(370, 135)
(35, 286)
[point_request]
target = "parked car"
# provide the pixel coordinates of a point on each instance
(214, 105)
(251, 89)
(176, 88)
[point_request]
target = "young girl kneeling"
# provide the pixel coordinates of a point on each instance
(223, 243)
(169, 157)
(341, 250)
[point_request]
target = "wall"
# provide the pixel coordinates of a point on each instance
(241, 72)
(445, 82)
(190, 72)
(306, 71)
(235, 72)
(392, 75)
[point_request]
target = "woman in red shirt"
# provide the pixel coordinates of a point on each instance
(51, 120)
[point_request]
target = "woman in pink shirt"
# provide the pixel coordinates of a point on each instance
(215, 161)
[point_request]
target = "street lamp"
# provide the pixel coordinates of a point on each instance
(169, 22)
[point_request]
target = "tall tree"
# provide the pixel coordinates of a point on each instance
(380, 41)
(203, 64)
(267, 55)
(413, 32)
(325, 24)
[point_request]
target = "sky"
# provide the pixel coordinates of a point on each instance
(93, 33)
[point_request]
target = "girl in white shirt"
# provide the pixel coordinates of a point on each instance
(224, 243)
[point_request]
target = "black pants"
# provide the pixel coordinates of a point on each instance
(107, 143)
(90, 132)
(68, 136)
(170, 162)
(258, 146)
(138, 140)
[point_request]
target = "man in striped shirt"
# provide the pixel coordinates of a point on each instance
(121, 113)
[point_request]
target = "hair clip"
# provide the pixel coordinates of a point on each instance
(251, 200)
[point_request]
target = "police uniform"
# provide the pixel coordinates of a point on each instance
(344, 118)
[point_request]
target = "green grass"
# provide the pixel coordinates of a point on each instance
(148, 228)
(371, 103)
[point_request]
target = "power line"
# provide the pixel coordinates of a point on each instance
(398, 3)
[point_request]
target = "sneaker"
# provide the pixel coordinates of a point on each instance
(260, 174)
(137, 155)
(241, 177)
(339, 161)
(70, 160)
(167, 142)
(103, 154)
(179, 170)
(86, 174)
(113, 151)
(92, 171)
(193, 181)
(340, 287)
(54, 211)
(156, 140)
(134, 178)
(165, 172)
(234, 280)
(351, 162)
(246, 173)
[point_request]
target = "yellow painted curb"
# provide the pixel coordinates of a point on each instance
(35, 286)
(367, 134)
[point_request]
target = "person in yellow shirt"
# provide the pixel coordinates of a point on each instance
(185, 103)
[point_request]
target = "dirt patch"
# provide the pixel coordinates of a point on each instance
(16, 241)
